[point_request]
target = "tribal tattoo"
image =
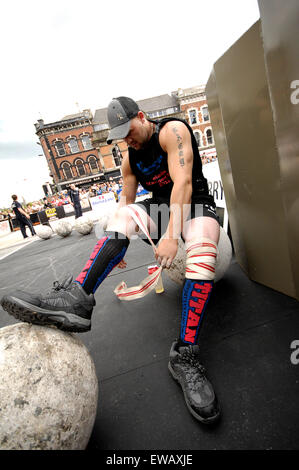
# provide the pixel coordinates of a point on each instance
(180, 146)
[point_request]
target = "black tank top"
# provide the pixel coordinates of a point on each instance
(150, 167)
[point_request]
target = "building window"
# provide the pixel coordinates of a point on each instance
(59, 145)
(73, 145)
(205, 114)
(209, 137)
(80, 167)
(67, 171)
(197, 138)
(93, 164)
(86, 142)
(117, 155)
(192, 116)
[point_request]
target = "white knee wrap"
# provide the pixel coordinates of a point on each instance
(201, 255)
(140, 217)
(125, 220)
(121, 221)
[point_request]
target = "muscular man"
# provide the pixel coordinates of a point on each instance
(163, 157)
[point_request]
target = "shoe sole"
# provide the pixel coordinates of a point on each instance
(29, 313)
(211, 420)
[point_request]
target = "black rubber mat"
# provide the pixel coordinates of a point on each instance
(245, 347)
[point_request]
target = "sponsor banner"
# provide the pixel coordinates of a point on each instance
(104, 203)
(51, 212)
(4, 227)
(212, 173)
(68, 208)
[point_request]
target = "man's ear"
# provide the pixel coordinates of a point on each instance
(141, 116)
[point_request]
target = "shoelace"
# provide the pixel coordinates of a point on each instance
(57, 286)
(195, 378)
(190, 358)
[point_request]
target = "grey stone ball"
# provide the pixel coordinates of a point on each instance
(44, 232)
(48, 389)
(176, 272)
(63, 228)
(83, 225)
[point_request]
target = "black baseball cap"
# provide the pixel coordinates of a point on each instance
(120, 112)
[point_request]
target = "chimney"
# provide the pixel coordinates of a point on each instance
(40, 123)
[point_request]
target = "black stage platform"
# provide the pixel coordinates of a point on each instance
(245, 344)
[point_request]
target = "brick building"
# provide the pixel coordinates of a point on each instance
(194, 107)
(67, 146)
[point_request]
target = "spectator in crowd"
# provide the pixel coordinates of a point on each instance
(84, 194)
(92, 191)
(36, 206)
(115, 186)
(59, 201)
(47, 204)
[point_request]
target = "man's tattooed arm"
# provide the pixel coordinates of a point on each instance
(180, 146)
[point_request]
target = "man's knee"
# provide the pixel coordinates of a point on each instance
(201, 256)
(122, 222)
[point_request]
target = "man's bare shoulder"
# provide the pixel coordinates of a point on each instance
(172, 131)
(171, 125)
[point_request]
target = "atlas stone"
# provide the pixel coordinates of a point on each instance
(48, 389)
(44, 231)
(63, 228)
(83, 225)
(176, 272)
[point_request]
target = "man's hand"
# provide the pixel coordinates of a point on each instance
(122, 264)
(24, 213)
(166, 251)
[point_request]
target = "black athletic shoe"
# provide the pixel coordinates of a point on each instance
(66, 306)
(199, 395)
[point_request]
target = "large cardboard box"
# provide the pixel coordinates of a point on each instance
(254, 110)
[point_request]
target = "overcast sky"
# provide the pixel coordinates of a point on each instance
(59, 57)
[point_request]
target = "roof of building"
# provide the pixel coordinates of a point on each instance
(157, 102)
(148, 105)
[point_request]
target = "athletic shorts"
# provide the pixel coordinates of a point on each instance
(158, 210)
